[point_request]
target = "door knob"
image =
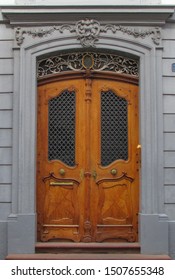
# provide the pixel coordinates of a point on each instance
(62, 172)
(114, 171)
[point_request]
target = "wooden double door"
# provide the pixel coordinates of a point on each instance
(87, 160)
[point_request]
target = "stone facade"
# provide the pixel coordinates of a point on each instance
(26, 34)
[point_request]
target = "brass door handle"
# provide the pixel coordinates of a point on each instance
(139, 149)
(88, 174)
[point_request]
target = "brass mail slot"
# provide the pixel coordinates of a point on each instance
(61, 184)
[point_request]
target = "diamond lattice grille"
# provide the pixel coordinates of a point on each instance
(114, 128)
(62, 128)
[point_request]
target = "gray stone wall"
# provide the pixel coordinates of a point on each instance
(169, 118)
(6, 113)
(169, 129)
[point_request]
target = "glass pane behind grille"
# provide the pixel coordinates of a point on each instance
(114, 128)
(62, 128)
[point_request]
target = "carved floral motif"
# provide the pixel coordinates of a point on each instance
(88, 32)
(136, 32)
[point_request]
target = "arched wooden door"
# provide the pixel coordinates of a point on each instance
(87, 160)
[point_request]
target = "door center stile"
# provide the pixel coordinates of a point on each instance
(87, 237)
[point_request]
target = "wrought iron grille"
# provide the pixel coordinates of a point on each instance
(74, 62)
(114, 128)
(62, 128)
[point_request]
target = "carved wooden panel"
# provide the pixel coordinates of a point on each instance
(60, 207)
(115, 205)
(115, 209)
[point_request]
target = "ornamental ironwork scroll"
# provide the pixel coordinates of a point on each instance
(88, 31)
(76, 62)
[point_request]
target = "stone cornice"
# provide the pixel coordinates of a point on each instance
(124, 15)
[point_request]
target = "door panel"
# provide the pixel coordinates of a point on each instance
(88, 169)
(115, 160)
(60, 130)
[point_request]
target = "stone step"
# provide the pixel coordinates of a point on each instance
(86, 257)
(103, 248)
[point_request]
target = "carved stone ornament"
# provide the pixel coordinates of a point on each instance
(88, 32)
